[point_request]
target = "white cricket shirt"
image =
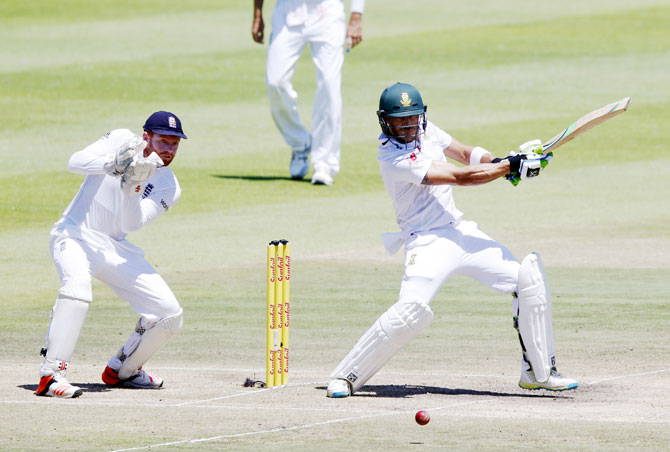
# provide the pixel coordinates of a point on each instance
(100, 206)
(418, 207)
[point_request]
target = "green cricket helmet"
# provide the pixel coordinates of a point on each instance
(397, 101)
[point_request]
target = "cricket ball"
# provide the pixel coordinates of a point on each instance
(422, 417)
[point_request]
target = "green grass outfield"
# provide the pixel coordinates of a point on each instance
(494, 74)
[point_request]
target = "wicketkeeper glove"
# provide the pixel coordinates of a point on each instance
(125, 155)
(137, 174)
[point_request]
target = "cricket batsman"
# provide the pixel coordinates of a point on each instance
(440, 243)
(128, 184)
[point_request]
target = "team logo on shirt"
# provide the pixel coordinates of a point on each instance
(412, 259)
(147, 190)
(405, 101)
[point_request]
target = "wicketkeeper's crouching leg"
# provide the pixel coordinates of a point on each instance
(125, 368)
(67, 320)
(532, 320)
(401, 323)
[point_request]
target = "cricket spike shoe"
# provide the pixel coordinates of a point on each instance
(57, 386)
(141, 380)
(556, 381)
(338, 388)
(299, 166)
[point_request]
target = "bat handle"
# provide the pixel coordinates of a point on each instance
(544, 161)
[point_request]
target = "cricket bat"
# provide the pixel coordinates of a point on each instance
(585, 123)
(577, 128)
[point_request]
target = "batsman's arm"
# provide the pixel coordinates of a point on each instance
(445, 173)
(467, 155)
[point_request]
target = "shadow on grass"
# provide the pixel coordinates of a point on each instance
(400, 391)
(258, 178)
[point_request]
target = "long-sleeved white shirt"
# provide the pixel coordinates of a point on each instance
(101, 206)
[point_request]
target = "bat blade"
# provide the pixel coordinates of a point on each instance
(585, 123)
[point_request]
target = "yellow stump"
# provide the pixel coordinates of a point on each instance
(271, 308)
(278, 313)
(286, 317)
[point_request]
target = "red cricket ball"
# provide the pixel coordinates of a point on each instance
(422, 417)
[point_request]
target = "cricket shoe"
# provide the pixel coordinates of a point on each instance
(142, 379)
(338, 388)
(556, 381)
(322, 175)
(299, 166)
(56, 385)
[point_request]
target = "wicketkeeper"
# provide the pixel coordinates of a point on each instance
(440, 243)
(128, 184)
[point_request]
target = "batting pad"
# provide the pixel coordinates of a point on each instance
(534, 317)
(401, 323)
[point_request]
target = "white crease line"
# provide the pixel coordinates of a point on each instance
(627, 376)
(249, 392)
(113, 404)
(316, 372)
(296, 427)
(246, 393)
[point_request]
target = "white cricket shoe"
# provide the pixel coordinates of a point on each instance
(322, 175)
(142, 379)
(56, 385)
(299, 166)
(338, 388)
(556, 381)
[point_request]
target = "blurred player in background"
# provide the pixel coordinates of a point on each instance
(128, 184)
(321, 24)
(439, 243)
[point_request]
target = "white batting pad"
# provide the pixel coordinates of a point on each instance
(67, 320)
(396, 327)
(145, 343)
(534, 317)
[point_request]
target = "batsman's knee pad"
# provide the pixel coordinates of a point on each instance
(396, 327)
(533, 317)
(147, 339)
(67, 320)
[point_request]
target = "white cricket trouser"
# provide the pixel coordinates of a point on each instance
(322, 26)
(123, 269)
(433, 257)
